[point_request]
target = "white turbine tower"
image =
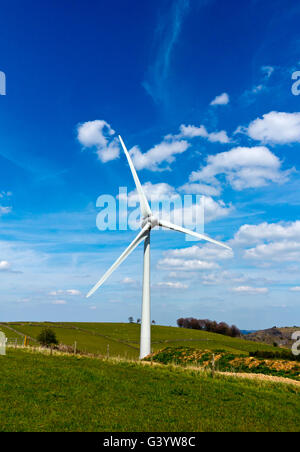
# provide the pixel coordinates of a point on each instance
(149, 222)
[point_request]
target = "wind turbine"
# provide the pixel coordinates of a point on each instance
(149, 222)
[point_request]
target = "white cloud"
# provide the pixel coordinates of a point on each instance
(153, 192)
(194, 131)
(295, 289)
(186, 265)
(206, 252)
(59, 302)
(201, 189)
(221, 277)
(172, 285)
(218, 137)
(180, 275)
(267, 232)
(276, 128)
(284, 251)
(193, 215)
(250, 290)
(160, 153)
(129, 281)
(99, 134)
(4, 266)
(275, 242)
(243, 168)
(65, 292)
(73, 292)
(222, 99)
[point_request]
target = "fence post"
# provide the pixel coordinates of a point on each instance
(213, 366)
(75, 347)
(107, 351)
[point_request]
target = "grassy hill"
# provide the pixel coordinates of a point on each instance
(123, 338)
(72, 393)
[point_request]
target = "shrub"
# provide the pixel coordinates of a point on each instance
(47, 337)
(280, 354)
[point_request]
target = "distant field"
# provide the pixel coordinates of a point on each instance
(69, 393)
(123, 338)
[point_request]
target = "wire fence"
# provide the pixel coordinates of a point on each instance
(11, 341)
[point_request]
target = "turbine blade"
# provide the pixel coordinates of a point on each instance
(174, 227)
(139, 238)
(145, 208)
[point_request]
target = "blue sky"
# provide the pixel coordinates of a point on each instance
(201, 92)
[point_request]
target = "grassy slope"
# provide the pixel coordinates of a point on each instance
(67, 393)
(10, 334)
(86, 341)
(123, 338)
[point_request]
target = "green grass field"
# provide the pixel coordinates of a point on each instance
(69, 393)
(123, 338)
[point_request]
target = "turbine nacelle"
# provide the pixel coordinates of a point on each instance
(150, 220)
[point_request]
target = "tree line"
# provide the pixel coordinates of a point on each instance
(209, 325)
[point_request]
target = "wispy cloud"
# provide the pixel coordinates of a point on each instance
(65, 292)
(251, 290)
(262, 85)
(166, 36)
(57, 302)
(4, 200)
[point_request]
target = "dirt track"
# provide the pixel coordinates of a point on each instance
(262, 377)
